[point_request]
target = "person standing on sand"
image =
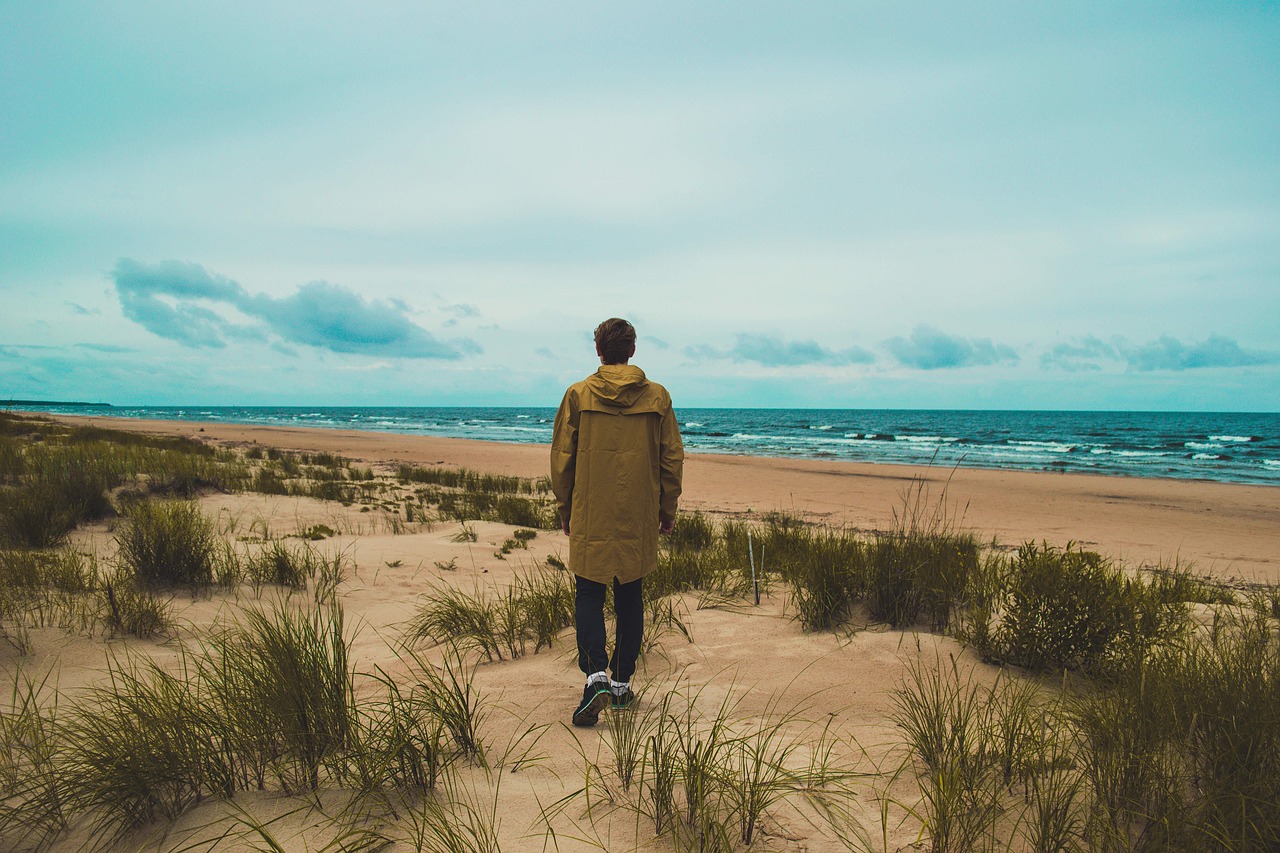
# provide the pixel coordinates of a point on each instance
(616, 466)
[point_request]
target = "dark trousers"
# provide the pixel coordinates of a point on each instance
(589, 618)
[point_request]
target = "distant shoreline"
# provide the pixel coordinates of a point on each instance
(10, 404)
(1216, 447)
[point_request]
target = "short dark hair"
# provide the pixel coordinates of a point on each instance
(615, 340)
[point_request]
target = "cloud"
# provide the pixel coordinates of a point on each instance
(330, 317)
(111, 348)
(771, 351)
(1168, 353)
(319, 314)
(81, 310)
(140, 286)
(457, 311)
(1076, 356)
(932, 349)
(461, 309)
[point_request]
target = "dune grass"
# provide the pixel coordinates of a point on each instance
(167, 543)
(474, 481)
(1177, 751)
(54, 477)
(498, 624)
(1072, 609)
(921, 570)
(1165, 740)
(709, 780)
(296, 566)
(130, 609)
(266, 703)
(33, 805)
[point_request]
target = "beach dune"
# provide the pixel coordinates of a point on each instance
(1227, 530)
(755, 660)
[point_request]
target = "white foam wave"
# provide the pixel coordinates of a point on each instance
(1271, 463)
(692, 424)
(1206, 456)
(925, 439)
(826, 441)
(1240, 438)
(1103, 451)
(1042, 446)
(1202, 445)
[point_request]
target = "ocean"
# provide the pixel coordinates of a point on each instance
(1227, 447)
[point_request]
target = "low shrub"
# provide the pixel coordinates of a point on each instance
(168, 543)
(915, 573)
(1072, 609)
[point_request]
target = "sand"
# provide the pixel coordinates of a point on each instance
(1222, 529)
(757, 656)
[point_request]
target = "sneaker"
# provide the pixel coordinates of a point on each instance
(595, 697)
(622, 698)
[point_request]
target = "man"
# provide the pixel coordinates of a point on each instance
(616, 465)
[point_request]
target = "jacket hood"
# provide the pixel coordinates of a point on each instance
(618, 385)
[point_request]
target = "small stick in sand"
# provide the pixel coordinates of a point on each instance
(755, 584)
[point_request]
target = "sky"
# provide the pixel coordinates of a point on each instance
(1006, 205)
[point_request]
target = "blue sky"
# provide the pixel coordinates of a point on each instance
(849, 204)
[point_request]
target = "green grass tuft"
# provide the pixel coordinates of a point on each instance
(168, 543)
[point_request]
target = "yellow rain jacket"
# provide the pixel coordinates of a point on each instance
(616, 464)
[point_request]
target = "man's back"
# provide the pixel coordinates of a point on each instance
(617, 461)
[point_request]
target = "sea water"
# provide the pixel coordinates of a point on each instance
(1227, 447)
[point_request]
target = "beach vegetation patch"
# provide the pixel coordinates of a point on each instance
(692, 530)
(316, 532)
(711, 780)
(130, 609)
(1175, 749)
(168, 543)
(497, 624)
(466, 533)
(54, 477)
(267, 703)
(284, 680)
(473, 481)
(1067, 608)
(60, 488)
(279, 564)
(525, 512)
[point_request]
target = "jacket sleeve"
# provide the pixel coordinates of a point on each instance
(564, 453)
(672, 464)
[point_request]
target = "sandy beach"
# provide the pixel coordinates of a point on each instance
(1221, 529)
(757, 658)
